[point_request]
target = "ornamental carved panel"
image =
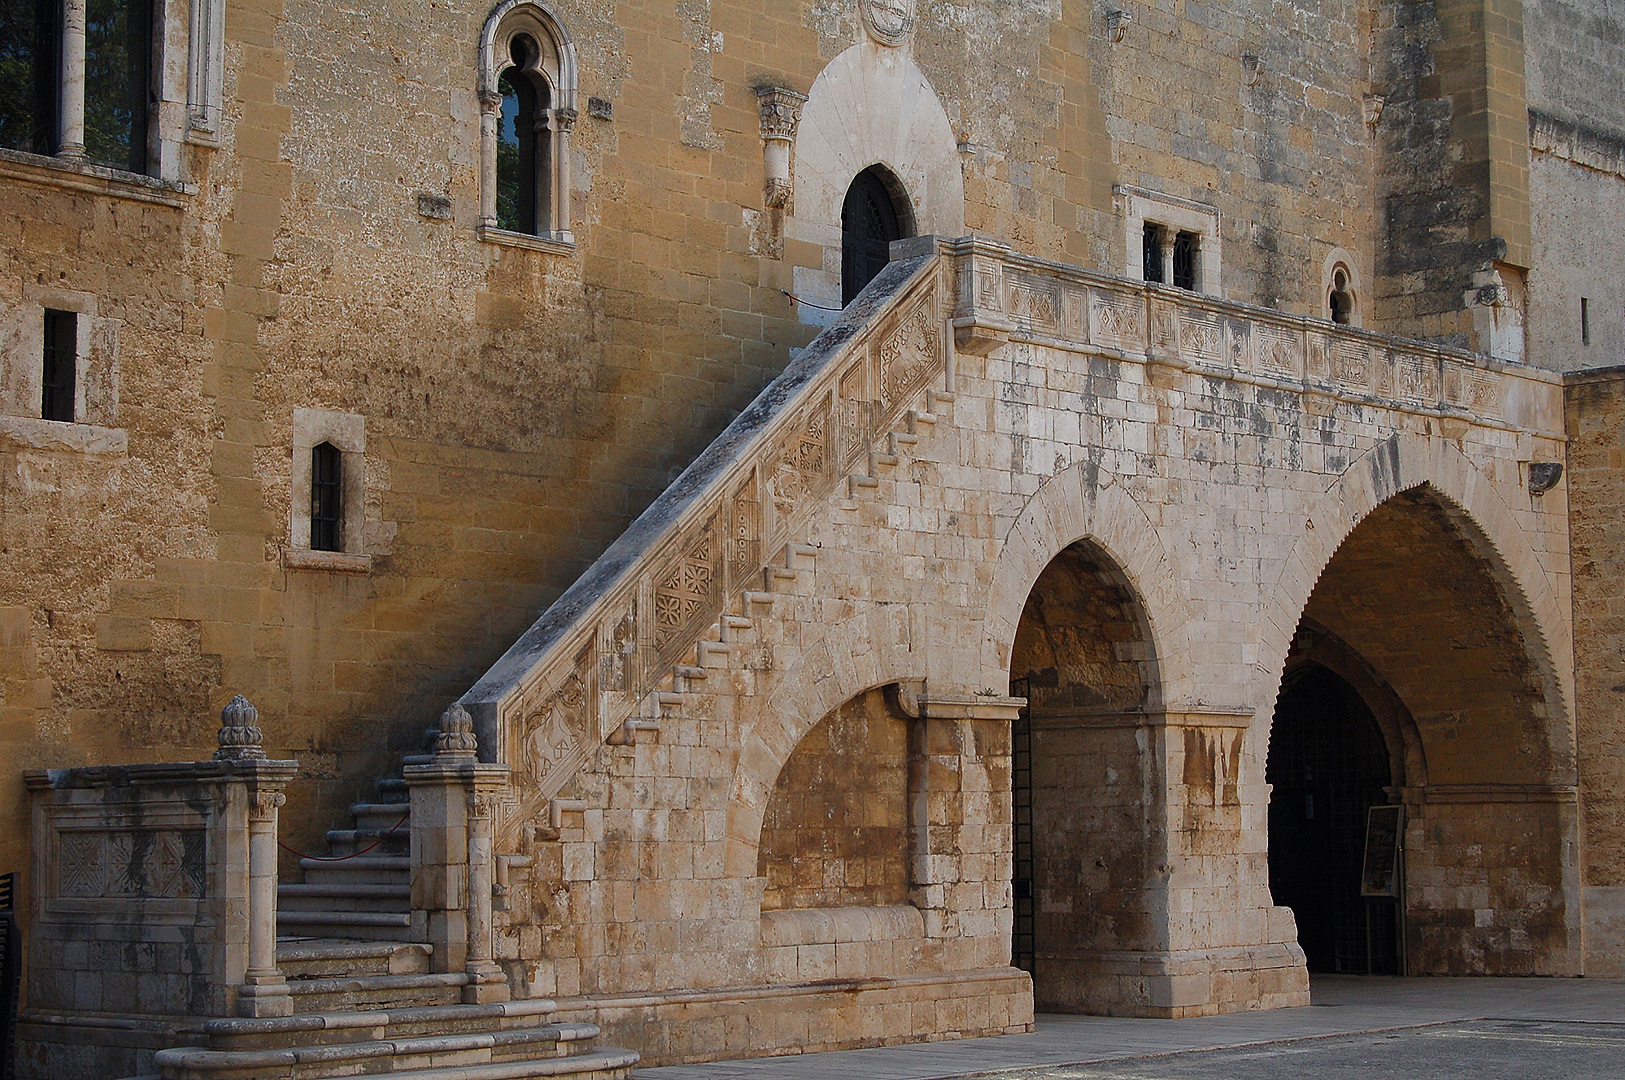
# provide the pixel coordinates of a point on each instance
(555, 730)
(744, 530)
(1034, 303)
(856, 412)
(1415, 379)
(1201, 337)
(689, 590)
(1116, 320)
(1351, 365)
(131, 864)
(909, 354)
(1239, 337)
(1472, 389)
(1075, 314)
(796, 470)
(1277, 352)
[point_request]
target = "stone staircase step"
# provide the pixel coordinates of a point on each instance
(323, 1028)
(361, 993)
(358, 896)
(511, 1055)
(375, 869)
(315, 957)
(381, 841)
(366, 925)
(393, 790)
(382, 815)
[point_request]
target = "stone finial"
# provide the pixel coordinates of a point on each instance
(239, 738)
(456, 738)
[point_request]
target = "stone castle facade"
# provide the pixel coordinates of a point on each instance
(1230, 448)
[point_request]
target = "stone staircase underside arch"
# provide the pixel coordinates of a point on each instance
(878, 517)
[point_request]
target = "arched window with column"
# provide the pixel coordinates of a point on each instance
(527, 109)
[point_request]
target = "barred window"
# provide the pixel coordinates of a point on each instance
(1151, 253)
(60, 366)
(326, 498)
(1186, 245)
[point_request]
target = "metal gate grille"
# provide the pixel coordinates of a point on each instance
(1021, 785)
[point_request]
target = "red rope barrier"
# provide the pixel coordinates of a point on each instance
(352, 855)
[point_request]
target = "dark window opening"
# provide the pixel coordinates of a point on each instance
(1151, 253)
(118, 82)
(1341, 303)
(523, 145)
(30, 56)
(326, 508)
(61, 362)
(1585, 321)
(1185, 247)
(870, 221)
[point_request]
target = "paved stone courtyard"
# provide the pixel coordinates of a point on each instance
(1401, 1029)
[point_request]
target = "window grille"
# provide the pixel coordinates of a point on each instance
(1185, 247)
(60, 361)
(326, 505)
(1151, 253)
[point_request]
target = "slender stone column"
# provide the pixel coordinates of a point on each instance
(264, 991)
(72, 118)
(490, 984)
(565, 120)
(490, 117)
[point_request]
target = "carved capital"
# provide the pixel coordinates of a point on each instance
(565, 118)
(490, 101)
(238, 737)
(456, 739)
(264, 805)
(780, 111)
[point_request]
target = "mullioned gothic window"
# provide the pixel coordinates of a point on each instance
(527, 110)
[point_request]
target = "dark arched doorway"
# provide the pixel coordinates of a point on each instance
(1084, 845)
(874, 214)
(1328, 765)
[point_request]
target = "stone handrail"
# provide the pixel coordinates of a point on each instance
(593, 659)
(1004, 295)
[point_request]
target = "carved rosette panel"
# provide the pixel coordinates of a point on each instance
(1416, 379)
(1472, 389)
(690, 589)
(1238, 334)
(1201, 337)
(1115, 320)
(131, 864)
(1351, 365)
(1034, 303)
(1277, 352)
(909, 354)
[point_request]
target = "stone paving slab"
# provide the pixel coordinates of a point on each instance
(1342, 1006)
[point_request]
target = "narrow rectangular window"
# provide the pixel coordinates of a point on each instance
(118, 82)
(1151, 253)
(29, 47)
(325, 498)
(61, 362)
(1185, 260)
(1585, 321)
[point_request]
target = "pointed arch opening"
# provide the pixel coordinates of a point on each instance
(1411, 659)
(1085, 840)
(876, 211)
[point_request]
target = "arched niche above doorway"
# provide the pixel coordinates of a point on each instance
(870, 104)
(876, 211)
